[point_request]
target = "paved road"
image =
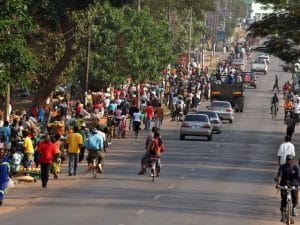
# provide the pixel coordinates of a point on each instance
(225, 181)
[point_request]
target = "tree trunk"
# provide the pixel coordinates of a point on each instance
(54, 77)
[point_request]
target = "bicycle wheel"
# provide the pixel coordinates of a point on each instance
(94, 169)
(289, 213)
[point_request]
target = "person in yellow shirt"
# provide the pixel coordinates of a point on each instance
(27, 149)
(74, 142)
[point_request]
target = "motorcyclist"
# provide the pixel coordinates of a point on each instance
(274, 101)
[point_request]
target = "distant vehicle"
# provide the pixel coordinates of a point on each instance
(214, 119)
(224, 110)
(264, 56)
(249, 79)
(196, 125)
(233, 93)
(259, 65)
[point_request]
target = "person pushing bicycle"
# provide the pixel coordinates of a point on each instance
(288, 175)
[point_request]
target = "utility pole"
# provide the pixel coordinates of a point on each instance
(190, 38)
(88, 51)
(139, 5)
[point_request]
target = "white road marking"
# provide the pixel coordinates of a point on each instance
(140, 212)
(217, 145)
(171, 186)
(156, 197)
(182, 177)
(193, 169)
(234, 125)
(212, 151)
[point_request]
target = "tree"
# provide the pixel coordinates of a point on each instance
(125, 43)
(17, 61)
(281, 29)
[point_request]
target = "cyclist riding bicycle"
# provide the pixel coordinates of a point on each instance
(288, 175)
(288, 107)
(95, 147)
(274, 102)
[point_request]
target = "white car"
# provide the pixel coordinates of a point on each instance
(196, 125)
(264, 56)
(259, 65)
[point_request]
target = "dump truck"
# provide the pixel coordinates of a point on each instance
(233, 93)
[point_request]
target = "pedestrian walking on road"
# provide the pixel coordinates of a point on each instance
(275, 86)
(4, 174)
(47, 151)
(74, 142)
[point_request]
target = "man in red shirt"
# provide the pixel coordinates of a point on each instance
(46, 150)
(149, 114)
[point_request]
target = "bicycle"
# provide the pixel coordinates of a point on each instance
(274, 110)
(153, 160)
(93, 165)
(287, 214)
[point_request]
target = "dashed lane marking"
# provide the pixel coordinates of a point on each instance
(212, 151)
(171, 186)
(140, 212)
(156, 197)
(182, 177)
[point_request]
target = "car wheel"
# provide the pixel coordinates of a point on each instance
(265, 72)
(219, 132)
(209, 137)
(182, 136)
(230, 121)
(241, 110)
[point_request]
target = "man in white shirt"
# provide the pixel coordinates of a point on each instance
(286, 148)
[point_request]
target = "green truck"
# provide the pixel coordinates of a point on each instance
(233, 93)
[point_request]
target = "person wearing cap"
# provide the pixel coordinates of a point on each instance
(288, 175)
(95, 147)
(286, 148)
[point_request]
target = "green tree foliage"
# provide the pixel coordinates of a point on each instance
(125, 43)
(282, 29)
(16, 60)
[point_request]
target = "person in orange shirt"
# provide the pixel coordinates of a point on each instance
(158, 116)
(288, 107)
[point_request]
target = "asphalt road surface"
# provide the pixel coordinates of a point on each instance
(226, 181)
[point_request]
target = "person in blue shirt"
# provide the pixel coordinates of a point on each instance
(5, 133)
(4, 174)
(95, 147)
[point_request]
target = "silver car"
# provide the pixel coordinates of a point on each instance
(224, 110)
(196, 125)
(214, 120)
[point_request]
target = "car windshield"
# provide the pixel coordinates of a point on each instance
(196, 118)
(210, 114)
(221, 104)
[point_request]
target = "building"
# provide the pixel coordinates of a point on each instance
(258, 11)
